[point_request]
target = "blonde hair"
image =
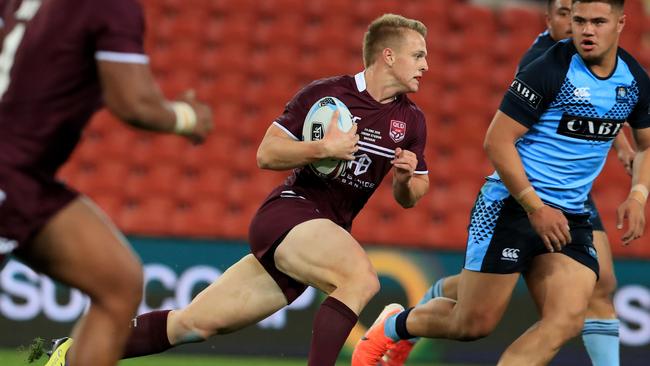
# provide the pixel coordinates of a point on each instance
(384, 32)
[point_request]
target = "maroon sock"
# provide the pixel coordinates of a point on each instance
(148, 335)
(332, 325)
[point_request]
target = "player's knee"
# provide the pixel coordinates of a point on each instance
(605, 286)
(367, 284)
(475, 326)
(561, 329)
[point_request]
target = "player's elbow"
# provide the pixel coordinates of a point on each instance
(262, 158)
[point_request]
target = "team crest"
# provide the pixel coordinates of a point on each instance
(621, 94)
(397, 130)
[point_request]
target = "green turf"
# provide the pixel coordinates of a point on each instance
(19, 358)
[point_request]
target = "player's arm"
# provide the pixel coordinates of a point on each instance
(624, 151)
(500, 147)
(633, 209)
(131, 94)
(408, 187)
(280, 151)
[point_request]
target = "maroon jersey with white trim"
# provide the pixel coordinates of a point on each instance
(381, 128)
(49, 85)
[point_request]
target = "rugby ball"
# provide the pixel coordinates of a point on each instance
(316, 124)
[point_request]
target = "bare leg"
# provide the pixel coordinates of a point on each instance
(482, 299)
(80, 247)
(243, 295)
(600, 304)
(601, 327)
(561, 288)
(322, 254)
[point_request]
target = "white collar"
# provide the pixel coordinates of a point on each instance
(360, 79)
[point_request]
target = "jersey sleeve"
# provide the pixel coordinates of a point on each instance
(295, 111)
(419, 144)
(640, 116)
(534, 88)
(119, 30)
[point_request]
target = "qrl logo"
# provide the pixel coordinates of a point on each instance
(510, 254)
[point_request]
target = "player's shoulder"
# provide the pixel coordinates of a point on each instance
(558, 55)
(330, 82)
(637, 70)
(411, 107)
(334, 86)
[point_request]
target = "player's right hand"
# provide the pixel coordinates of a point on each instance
(204, 122)
(339, 144)
(552, 226)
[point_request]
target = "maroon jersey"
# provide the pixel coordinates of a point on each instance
(49, 86)
(381, 127)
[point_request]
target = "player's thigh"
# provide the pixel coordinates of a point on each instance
(483, 297)
(607, 282)
(81, 247)
(322, 254)
(560, 286)
(242, 295)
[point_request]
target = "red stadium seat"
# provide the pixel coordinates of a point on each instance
(101, 177)
(153, 180)
(149, 216)
(200, 218)
(521, 20)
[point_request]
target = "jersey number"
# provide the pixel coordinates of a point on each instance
(25, 13)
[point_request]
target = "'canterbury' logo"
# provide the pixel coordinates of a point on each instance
(510, 254)
(589, 128)
(525, 93)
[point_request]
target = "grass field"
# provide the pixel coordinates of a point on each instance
(18, 358)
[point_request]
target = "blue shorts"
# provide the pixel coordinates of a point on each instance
(502, 240)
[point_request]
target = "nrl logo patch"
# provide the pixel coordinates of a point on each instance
(397, 130)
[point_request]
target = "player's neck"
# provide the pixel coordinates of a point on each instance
(604, 67)
(379, 86)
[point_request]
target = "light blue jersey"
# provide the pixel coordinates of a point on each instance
(573, 117)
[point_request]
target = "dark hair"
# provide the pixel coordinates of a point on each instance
(614, 3)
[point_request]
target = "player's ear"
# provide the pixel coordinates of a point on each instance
(621, 23)
(389, 56)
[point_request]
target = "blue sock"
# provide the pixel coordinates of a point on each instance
(390, 327)
(395, 326)
(434, 291)
(600, 337)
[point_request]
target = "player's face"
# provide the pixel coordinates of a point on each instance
(596, 27)
(410, 61)
(558, 19)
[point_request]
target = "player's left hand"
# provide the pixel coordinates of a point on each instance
(404, 163)
(634, 212)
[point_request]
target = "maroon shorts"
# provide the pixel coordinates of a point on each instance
(272, 222)
(27, 202)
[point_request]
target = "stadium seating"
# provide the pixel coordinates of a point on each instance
(248, 57)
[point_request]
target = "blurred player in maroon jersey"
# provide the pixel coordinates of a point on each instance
(60, 61)
(300, 236)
